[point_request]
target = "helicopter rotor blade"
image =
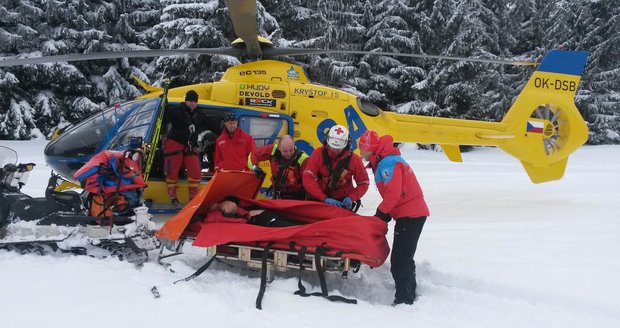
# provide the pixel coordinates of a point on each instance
(272, 52)
(243, 16)
(17, 61)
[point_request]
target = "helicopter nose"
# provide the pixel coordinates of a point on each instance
(70, 150)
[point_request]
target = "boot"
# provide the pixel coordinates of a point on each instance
(174, 203)
(172, 191)
(192, 192)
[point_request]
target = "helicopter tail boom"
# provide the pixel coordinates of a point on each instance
(541, 129)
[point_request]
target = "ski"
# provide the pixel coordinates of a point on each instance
(152, 148)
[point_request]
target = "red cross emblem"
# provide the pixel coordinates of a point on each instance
(339, 130)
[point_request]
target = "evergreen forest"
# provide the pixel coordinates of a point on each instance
(36, 99)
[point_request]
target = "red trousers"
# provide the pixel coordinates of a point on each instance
(177, 155)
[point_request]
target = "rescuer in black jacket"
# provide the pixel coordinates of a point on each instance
(181, 146)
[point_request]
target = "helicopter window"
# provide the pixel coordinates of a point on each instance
(84, 138)
(136, 125)
(367, 107)
(264, 130)
(125, 136)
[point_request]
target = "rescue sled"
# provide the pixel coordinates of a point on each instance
(331, 240)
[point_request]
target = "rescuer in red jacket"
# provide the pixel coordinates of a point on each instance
(287, 164)
(181, 146)
(402, 200)
(331, 169)
(233, 146)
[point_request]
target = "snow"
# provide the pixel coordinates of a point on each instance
(37, 134)
(611, 134)
(417, 106)
(302, 13)
(209, 6)
(8, 79)
(497, 251)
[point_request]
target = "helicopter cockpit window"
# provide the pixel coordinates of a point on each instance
(84, 138)
(367, 107)
(264, 130)
(136, 124)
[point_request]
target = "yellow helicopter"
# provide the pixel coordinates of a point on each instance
(273, 98)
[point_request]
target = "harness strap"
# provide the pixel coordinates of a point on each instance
(198, 272)
(356, 206)
(334, 178)
(173, 153)
(119, 177)
(283, 165)
(302, 290)
(321, 273)
(186, 153)
(263, 277)
(133, 246)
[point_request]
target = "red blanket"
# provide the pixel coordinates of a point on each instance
(337, 230)
(340, 231)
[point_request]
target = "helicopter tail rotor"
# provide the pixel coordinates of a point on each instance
(545, 134)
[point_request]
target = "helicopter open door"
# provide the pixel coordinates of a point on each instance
(265, 128)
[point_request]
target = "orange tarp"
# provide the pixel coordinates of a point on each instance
(223, 183)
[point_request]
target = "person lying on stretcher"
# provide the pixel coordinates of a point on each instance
(229, 212)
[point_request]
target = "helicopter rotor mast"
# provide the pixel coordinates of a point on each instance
(242, 14)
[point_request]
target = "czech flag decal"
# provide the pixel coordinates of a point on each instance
(535, 126)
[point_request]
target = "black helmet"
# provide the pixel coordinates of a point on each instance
(230, 116)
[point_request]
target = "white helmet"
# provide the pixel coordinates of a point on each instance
(338, 137)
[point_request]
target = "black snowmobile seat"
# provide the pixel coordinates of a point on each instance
(78, 219)
(69, 199)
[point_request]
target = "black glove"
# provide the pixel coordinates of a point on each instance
(383, 216)
(258, 171)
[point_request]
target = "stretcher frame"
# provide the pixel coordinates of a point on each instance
(278, 260)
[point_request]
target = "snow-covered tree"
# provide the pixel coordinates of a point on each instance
(599, 96)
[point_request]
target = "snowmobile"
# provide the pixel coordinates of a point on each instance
(68, 221)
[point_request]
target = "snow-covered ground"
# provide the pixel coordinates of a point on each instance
(497, 251)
